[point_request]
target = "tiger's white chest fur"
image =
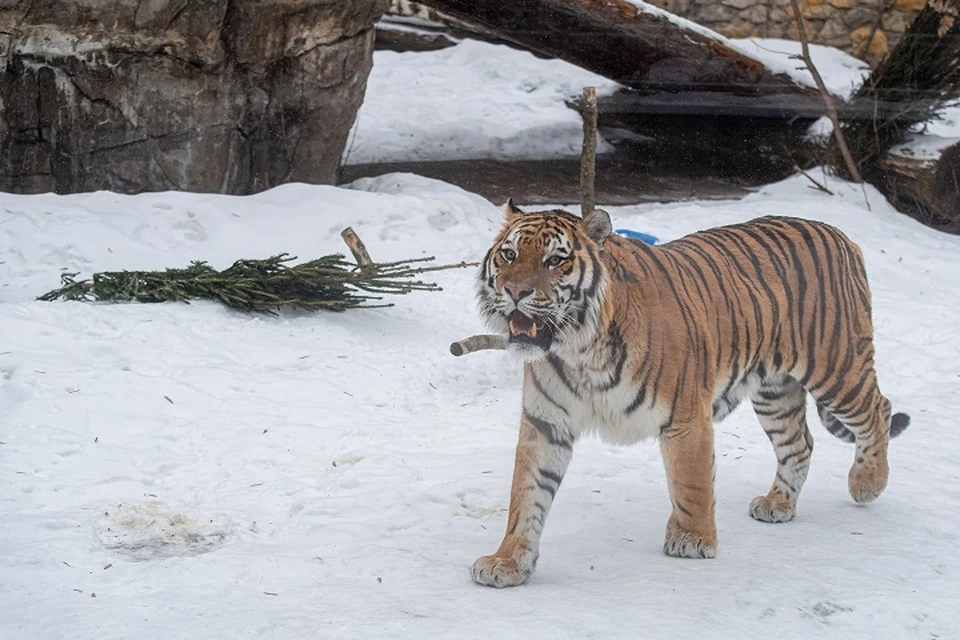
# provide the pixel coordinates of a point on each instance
(585, 396)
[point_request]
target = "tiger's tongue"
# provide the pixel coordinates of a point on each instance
(521, 324)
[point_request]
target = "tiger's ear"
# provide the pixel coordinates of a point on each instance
(597, 226)
(511, 211)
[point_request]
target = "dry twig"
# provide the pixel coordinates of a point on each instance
(819, 186)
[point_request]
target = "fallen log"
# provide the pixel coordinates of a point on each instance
(630, 42)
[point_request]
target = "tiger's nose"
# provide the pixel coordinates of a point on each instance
(516, 292)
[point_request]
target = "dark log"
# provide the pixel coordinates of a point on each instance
(617, 40)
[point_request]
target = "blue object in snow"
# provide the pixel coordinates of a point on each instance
(636, 235)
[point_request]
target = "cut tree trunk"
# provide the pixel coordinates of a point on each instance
(929, 188)
(643, 49)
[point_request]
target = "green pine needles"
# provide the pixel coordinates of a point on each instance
(328, 283)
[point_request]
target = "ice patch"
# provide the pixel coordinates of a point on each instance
(152, 529)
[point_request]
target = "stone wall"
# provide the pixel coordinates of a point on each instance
(229, 96)
(844, 24)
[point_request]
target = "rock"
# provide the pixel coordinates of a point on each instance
(910, 5)
(895, 22)
(197, 95)
(756, 14)
(738, 4)
(833, 28)
(860, 16)
(878, 46)
(819, 12)
(741, 30)
(716, 13)
(780, 17)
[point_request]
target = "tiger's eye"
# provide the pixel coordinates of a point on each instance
(509, 255)
(555, 261)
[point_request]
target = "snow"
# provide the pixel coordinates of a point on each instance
(842, 73)
(187, 471)
(474, 100)
(933, 138)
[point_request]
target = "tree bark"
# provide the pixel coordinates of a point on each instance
(618, 40)
(927, 188)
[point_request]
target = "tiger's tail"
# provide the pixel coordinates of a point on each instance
(898, 424)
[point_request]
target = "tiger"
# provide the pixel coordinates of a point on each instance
(631, 341)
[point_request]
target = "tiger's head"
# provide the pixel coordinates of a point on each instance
(542, 282)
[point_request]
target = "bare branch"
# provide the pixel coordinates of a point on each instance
(828, 101)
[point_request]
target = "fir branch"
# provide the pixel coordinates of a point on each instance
(328, 283)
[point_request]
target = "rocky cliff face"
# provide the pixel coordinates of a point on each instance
(229, 96)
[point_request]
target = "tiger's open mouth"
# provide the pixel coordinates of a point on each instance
(527, 330)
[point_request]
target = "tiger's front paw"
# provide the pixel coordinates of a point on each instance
(772, 507)
(687, 544)
(494, 571)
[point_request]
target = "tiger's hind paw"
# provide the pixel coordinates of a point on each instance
(866, 481)
(494, 571)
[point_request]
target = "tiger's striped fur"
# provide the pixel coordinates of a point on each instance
(635, 341)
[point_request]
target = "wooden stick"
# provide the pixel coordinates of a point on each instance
(357, 248)
(478, 343)
(827, 98)
(588, 173)
(588, 158)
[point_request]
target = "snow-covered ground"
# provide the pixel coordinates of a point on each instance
(211, 474)
(186, 471)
